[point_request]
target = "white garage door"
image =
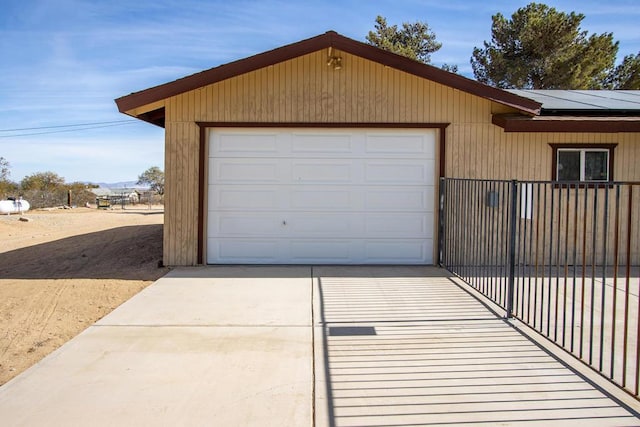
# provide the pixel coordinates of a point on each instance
(320, 196)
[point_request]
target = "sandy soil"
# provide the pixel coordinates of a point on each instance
(64, 269)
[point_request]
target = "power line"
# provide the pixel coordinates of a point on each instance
(68, 126)
(66, 130)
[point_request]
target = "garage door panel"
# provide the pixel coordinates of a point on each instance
(330, 199)
(226, 144)
(417, 146)
(398, 225)
(322, 224)
(319, 225)
(325, 198)
(222, 198)
(321, 144)
(336, 251)
(317, 171)
(394, 172)
(398, 251)
(244, 250)
(321, 196)
(241, 224)
(398, 199)
(236, 171)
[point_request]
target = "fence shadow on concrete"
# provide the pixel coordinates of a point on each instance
(417, 348)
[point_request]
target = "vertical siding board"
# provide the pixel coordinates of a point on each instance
(171, 199)
(311, 97)
(302, 97)
(171, 196)
(433, 100)
(194, 150)
(421, 94)
(185, 175)
(168, 234)
(412, 94)
(407, 99)
(383, 107)
(177, 196)
(186, 190)
(374, 91)
(396, 89)
(337, 77)
(387, 110)
(283, 91)
(203, 111)
(365, 85)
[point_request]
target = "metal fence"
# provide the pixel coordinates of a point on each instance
(561, 257)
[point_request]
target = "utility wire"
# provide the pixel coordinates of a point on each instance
(68, 126)
(66, 130)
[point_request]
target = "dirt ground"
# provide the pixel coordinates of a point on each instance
(64, 269)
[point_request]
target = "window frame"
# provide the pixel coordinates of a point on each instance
(583, 148)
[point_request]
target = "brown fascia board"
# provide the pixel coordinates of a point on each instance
(337, 41)
(520, 123)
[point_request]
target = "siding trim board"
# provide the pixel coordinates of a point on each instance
(203, 143)
(202, 182)
(357, 125)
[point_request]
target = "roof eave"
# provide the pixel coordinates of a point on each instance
(220, 73)
(519, 123)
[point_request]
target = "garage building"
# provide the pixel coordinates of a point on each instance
(329, 150)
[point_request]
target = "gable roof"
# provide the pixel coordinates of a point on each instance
(326, 40)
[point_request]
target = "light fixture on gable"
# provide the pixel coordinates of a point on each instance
(334, 60)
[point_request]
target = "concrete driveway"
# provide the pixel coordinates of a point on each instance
(304, 346)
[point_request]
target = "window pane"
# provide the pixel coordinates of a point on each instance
(568, 165)
(595, 165)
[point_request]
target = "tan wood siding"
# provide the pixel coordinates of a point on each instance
(305, 89)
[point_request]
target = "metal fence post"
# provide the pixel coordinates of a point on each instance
(441, 221)
(512, 248)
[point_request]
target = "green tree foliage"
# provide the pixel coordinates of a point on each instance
(44, 189)
(452, 68)
(7, 187)
(626, 75)
(415, 41)
(45, 181)
(5, 169)
(80, 193)
(154, 177)
(48, 189)
(542, 48)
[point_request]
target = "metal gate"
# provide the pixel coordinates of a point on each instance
(561, 257)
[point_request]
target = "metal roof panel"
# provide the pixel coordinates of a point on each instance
(599, 101)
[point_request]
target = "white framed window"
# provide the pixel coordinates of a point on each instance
(590, 163)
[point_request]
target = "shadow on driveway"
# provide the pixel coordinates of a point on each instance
(130, 253)
(409, 346)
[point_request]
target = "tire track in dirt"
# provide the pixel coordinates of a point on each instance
(64, 270)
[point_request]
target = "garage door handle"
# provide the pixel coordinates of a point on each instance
(284, 222)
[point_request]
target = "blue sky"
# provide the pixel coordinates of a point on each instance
(65, 61)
